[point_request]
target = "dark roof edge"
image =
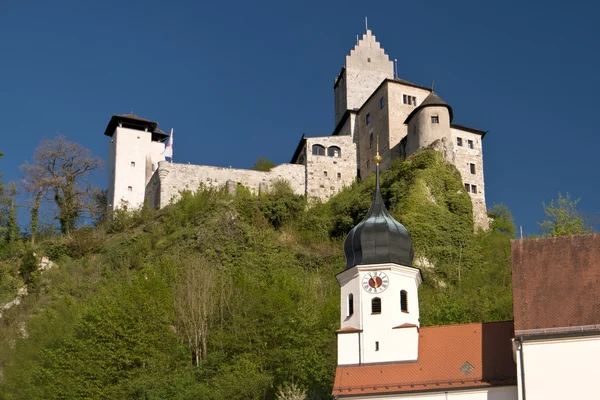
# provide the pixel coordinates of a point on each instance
(337, 79)
(390, 80)
(340, 124)
(298, 149)
(469, 129)
(567, 331)
(353, 391)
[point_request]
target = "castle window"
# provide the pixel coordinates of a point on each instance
(133, 163)
(435, 119)
(334, 151)
(381, 103)
(403, 301)
(376, 346)
(472, 167)
(371, 140)
(153, 167)
(318, 150)
(368, 119)
(339, 175)
(467, 187)
(368, 59)
(410, 100)
(474, 189)
(350, 305)
(129, 189)
(376, 306)
(470, 144)
(459, 141)
(325, 174)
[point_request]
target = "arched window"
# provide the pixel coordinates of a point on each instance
(403, 301)
(334, 151)
(350, 305)
(371, 140)
(376, 305)
(318, 150)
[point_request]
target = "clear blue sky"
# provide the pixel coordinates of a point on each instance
(239, 80)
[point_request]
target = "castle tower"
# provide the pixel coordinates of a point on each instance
(366, 67)
(427, 123)
(135, 148)
(379, 291)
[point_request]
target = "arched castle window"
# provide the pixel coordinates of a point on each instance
(376, 306)
(350, 305)
(334, 151)
(318, 150)
(403, 301)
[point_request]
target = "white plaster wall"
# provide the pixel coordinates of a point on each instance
(348, 348)
(494, 393)
(129, 146)
(394, 344)
(462, 157)
(171, 178)
(562, 368)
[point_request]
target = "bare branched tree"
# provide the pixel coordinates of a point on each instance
(196, 305)
(61, 169)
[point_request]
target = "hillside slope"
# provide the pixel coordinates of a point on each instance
(233, 297)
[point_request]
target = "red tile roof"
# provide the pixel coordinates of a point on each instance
(450, 357)
(555, 284)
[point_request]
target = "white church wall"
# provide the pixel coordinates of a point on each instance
(348, 348)
(493, 393)
(562, 368)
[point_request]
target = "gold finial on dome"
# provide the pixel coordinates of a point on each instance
(377, 158)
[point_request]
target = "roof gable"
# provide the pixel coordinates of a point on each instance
(555, 282)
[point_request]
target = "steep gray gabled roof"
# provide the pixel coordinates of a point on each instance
(433, 100)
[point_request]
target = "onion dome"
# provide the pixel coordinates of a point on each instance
(432, 100)
(378, 238)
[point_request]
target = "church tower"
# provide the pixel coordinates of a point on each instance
(379, 291)
(366, 67)
(136, 146)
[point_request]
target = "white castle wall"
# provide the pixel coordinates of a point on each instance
(171, 178)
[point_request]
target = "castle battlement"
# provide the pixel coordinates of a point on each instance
(370, 104)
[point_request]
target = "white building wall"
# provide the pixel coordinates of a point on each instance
(129, 153)
(493, 393)
(399, 344)
(348, 348)
(562, 368)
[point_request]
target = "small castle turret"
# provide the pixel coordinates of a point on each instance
(427, 123)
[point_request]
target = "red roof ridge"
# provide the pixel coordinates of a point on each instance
(405, 325)
(348, 329)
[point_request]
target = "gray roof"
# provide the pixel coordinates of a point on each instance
(378, 238)
(432, 100)
(132, 121)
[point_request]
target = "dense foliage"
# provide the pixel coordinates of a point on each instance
(232, 297)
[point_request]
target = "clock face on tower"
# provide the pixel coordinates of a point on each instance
(375, 282)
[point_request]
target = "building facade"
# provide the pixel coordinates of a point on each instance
(371, 106)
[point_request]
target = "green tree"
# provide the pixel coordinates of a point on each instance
(62, 168)
(262, 164)
(502, 220)
(563, 218)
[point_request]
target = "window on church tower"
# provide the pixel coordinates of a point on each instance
(403, 301)
(133, 163)
(376, 346)
(368, 119)
(371, 139)
(376, 306)
(435, 119)
(350, 305)
(381, 103)
(318, 150)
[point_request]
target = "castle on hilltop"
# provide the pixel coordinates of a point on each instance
(371, 105)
